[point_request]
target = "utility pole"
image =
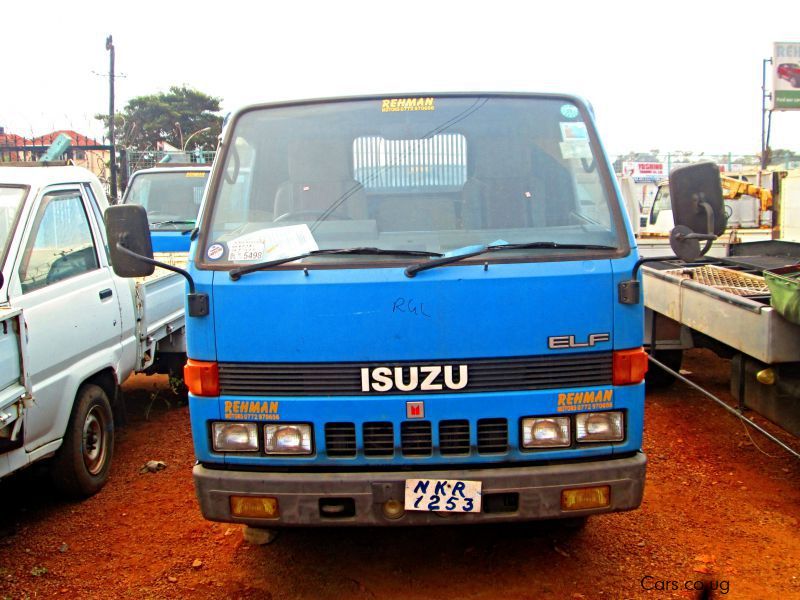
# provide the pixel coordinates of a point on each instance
(766, 117)
(110, 48)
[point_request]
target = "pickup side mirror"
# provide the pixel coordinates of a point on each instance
(128, 229)
(697, 209)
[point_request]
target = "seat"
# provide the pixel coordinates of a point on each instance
(320, 182)
(502, 192)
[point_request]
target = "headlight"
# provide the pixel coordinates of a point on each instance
(545, 432)
(288, 439)
(235, 437)
(600, 427)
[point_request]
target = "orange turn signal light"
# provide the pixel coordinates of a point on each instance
(629, 366)
(202, 378)
(584, 498)
(257, 507)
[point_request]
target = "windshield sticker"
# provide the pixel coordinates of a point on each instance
(575, 149)
(272, 244)
(569, 111)
(196, 174)
(591, 400)
(215, 251)
(574, 131)
(407, 104)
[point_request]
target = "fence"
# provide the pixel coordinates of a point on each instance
(135, 160)
(84, 151)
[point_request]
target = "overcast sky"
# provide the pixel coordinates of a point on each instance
(669, 75)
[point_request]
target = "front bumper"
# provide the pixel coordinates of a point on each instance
(538, 488)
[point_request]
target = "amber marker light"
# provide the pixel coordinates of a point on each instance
(584, 498)
(629, 366)
(255, 507)
(202, 378)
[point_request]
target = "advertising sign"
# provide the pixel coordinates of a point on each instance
(786, 76)
(643, 172)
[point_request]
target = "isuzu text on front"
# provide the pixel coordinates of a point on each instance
(408, 308)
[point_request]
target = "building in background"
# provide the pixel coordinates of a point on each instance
(84, 151)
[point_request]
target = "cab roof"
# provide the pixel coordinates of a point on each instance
(39, 175)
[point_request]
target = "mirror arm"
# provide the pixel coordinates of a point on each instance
(629, 291)
(198, 303)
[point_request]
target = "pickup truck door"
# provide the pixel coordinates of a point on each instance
(63, 283)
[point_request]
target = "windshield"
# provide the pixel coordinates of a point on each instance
(10, 202)
(172, 199)
(431, 174)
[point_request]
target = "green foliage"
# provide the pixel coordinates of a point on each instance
(170, 117)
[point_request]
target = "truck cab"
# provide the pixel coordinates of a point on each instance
(171, 194)
(413, 316)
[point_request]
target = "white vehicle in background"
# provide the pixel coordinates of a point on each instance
(71, 331)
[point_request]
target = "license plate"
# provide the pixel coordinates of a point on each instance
(443, 495)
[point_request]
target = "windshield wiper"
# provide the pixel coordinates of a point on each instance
(471, 251)
(235, 274)
(558, 245)
(173, 222)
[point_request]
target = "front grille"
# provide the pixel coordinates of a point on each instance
(492, 436)
(454, 437)
(340, 440)
(378, 439)
(485, 375)
(415, 438)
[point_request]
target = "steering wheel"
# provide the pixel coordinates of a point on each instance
(306, 215)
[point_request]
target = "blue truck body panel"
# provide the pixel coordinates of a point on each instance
(170, 241)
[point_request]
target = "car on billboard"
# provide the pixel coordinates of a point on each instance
(790, 72)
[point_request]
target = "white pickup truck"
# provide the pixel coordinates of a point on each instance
(71, 331)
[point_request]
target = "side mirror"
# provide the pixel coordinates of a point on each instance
(128, 236)
(132, 251)
(698, 209)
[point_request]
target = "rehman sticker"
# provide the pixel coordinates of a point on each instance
(569, 111)
(261, 410)
(215, 251)
(407, 104)
(591, 400)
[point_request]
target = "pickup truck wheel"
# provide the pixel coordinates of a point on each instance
(82, 463)
(656, 376)
(795, 81)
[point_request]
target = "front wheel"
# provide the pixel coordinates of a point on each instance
(82, 463)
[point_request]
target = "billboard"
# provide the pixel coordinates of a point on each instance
(643, 172)
(786, 76)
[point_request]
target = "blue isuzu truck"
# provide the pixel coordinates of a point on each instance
(410, 310)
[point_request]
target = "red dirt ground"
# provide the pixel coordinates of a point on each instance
(715, 508)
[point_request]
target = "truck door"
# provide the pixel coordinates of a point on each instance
(64, 285)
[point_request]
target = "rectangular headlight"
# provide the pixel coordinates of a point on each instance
(545, 432)
(600, 427)
(288, 438)
(235, 437)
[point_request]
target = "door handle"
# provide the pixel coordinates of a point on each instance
(106, 293)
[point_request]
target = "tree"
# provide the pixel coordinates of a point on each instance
(171, 117)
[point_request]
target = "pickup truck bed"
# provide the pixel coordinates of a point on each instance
(725, 302)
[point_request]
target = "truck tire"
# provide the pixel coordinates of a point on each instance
(657, 377)
(82, 463)
(795, 81)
